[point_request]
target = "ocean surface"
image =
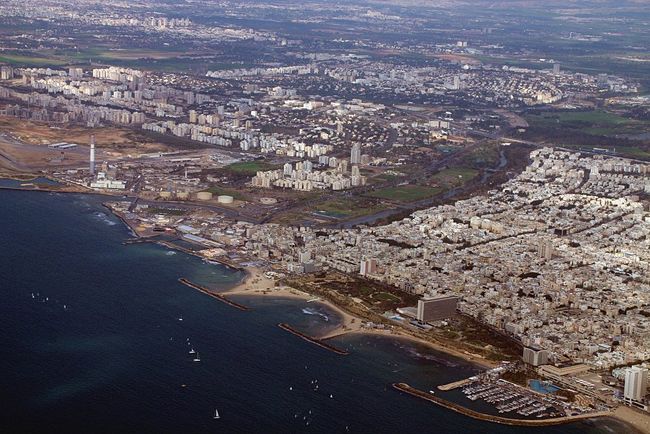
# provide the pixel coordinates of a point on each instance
(95, 337)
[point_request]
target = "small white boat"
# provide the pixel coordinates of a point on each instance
(192, 351)
(216, 414)
(432, 392)
(196, 358)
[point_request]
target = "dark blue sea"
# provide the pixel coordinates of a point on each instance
(95, 338)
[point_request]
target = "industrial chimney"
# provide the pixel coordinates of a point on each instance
(92, 155)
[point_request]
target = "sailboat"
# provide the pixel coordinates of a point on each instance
(216, 414)
(196, 358)
(192, 351)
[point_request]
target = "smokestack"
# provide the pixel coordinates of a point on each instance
(92, 155)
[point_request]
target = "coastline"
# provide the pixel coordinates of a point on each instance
(255, 283)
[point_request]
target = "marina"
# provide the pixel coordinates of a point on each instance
(403, 387)
(507, 398)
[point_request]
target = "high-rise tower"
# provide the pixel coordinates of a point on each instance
(92, 155)
(355, 154)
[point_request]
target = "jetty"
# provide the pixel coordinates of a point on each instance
(313, 340)
(207, 292)
(454, 385)
(403, 387)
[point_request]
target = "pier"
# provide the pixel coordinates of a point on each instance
(219, 297)
(403, 387)
(454, 385)
(315, 341)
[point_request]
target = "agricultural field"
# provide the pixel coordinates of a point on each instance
(30, 61)
(598, 123)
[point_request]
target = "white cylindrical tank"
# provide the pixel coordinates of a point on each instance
(204, 195)
(224, 199)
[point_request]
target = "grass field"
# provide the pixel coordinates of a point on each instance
(405, 193)
(597, 122)
(142, 58)
(249, 167)
(487, 155)
(345, 207)
(385, 296)
(20, 60)
(454, 177)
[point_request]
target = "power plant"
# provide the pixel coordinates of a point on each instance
(92, 155)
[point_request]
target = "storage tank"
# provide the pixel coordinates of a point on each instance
(224, 199)
(183, 195)
(166, 194)
(204, 195)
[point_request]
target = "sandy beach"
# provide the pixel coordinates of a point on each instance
(256, 283)
(638, 419)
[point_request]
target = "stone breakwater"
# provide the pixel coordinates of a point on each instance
(403, 387)
(314, 341)
(219, 297)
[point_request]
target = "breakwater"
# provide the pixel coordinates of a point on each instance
(314, 341)
(222, 261)
(454, 385)
(219, 297)
(403, 387)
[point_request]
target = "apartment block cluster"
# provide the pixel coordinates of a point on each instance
(303, 177)
(558, 257)
(92, 97)
(502, 86)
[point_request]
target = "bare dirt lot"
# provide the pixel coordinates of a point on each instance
(23, 144)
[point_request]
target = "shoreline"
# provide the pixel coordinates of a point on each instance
(258, 285)
(255, 283)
